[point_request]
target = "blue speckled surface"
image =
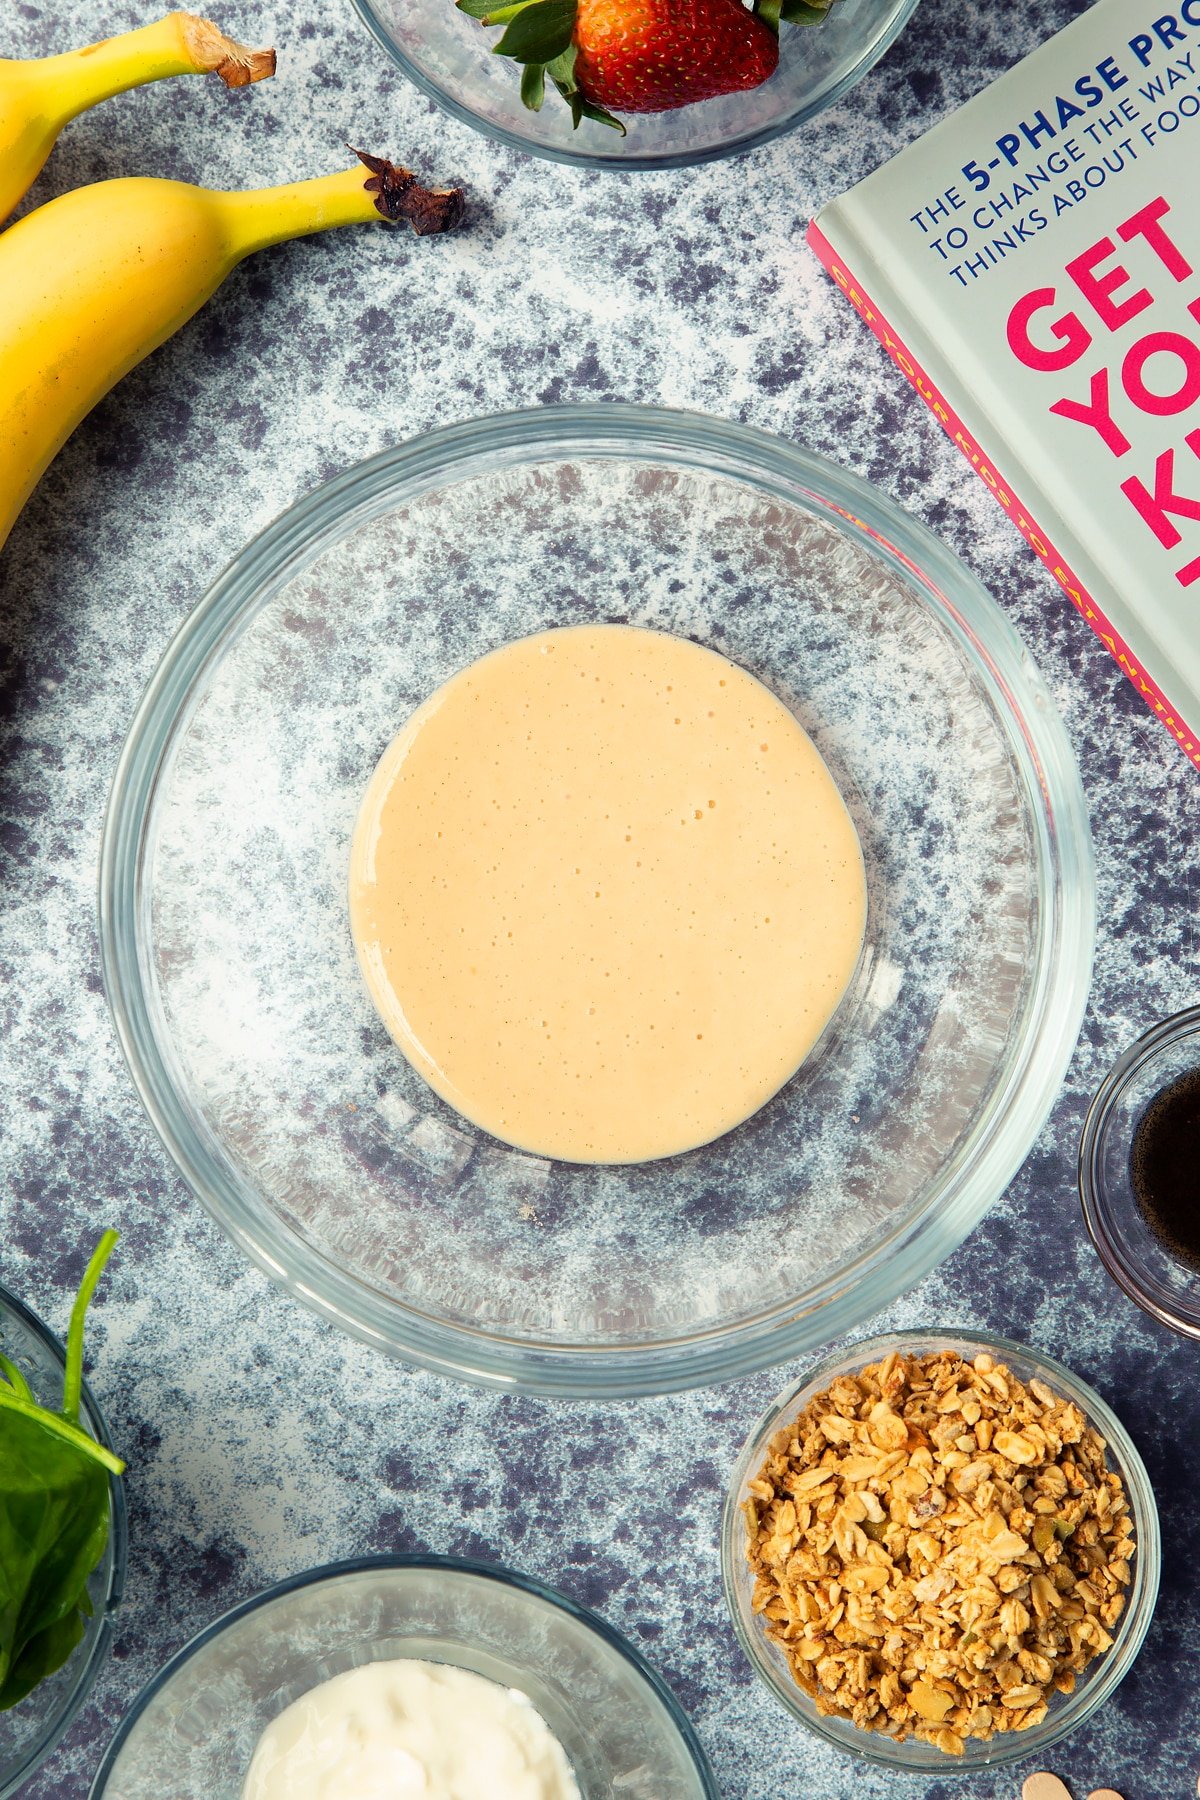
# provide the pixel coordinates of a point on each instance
(260, 1441)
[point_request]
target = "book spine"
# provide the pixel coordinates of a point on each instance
(1002, 491)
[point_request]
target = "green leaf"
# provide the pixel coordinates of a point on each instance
(539, 32)
(87, 1287)
(600, 115)
(562, 72)
(486, 9)
(533, 85)
(42, 1655)
(503, 14)
(54, 1513)
(805, 12)
(584, 109)
(57, 1426)
(15, 1379)
(540, 35)
(562, 69)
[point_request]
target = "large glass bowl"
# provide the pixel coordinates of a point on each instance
(30, 1730)
(193, 1729)
(450, 58)
(1067, 1711)
(232, 976)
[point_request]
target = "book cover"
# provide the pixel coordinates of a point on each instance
(1032, 265)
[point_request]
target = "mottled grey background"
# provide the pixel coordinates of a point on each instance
(259, 1441)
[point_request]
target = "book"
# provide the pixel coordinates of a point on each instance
(1032, 265)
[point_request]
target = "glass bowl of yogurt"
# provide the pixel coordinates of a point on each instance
(401, 1669)
(449, 57)
(230, 960)
(30, 1731)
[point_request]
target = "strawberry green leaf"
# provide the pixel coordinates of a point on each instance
(805, 12)
(562, 70)
(588, 109)
(488, 10)
(533, 85)
(598, 114)
(539, 32)
(585, 109)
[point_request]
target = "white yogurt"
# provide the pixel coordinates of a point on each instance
(410, 1730)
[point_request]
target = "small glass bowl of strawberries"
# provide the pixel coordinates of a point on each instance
(635, 84)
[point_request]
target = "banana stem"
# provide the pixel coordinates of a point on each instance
(381, 189)
(179, 44)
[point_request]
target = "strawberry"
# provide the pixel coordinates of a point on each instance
(640, 56)
(643, 56)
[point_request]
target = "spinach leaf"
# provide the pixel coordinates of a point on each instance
(42, 1655)
(54, 1513)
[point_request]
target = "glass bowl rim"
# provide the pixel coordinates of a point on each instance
(1167, 1032)
(1036, 738)
(44, 1745)
(400, 1560)
(671, 159)
(1134, 1622)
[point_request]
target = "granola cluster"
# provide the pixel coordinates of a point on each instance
(937, 1548)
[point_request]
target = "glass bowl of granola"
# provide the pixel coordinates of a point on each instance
(941, 1551)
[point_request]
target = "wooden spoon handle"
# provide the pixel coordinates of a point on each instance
(1044, 1787)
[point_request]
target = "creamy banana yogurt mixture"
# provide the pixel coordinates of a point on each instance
(605, 893)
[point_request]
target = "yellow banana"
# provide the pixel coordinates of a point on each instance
(39, 96)
(93, 281)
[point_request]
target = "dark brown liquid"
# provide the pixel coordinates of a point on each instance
(1164, 1167)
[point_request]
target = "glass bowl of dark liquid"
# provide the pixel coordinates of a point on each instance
(1139, 1171)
